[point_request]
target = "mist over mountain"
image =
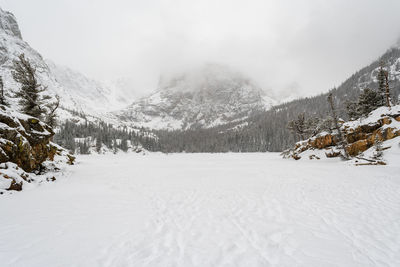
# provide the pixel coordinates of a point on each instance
(205, 96)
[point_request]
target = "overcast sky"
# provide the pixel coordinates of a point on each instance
(308, 45)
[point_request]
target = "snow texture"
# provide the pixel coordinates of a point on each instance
(206, 210)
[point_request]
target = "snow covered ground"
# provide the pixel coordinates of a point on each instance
(205, 210)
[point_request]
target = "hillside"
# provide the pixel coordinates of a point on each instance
(77, 92)
(267, 130)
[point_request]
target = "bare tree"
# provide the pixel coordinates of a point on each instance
(337, 127)
(51, 116)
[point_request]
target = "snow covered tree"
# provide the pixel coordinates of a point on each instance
(304, 127)
(115, 146)
(325, 124)
(30, 91)
(352, 109)
(368, 101)
(383, 85)
(312, 126)
(84, 147)
(99, 143)
(124, 145)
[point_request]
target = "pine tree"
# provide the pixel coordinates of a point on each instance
(99, 143)
(352, 109)
(383, 85)
(115, 146)
(30, 99)
(124, 145)
(368, 101)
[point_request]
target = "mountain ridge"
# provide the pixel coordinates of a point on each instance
(203, 97)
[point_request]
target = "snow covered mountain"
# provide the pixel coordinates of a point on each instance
(202, 97)
(84, 94)
(77, 92)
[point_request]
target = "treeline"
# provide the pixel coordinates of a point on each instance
(81, 137)
(271, 131)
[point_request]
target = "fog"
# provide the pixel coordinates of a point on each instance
(306, 46)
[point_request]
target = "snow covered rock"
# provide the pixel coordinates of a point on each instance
(12, 177)
(8, 24)
(24, 147)
(381, 125)
(201, 98)
(24, 139)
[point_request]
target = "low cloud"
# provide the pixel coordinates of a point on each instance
(310, 45)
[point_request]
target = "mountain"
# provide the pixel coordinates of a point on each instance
(83, 94)
(203, 97)
(267, 130)
(77, 92)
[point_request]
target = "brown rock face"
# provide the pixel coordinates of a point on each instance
(385, 120)
(362, 144)
(323, 141)
(25, 140)
(358, 139)
(357, 147)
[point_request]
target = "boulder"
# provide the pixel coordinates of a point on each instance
(357, 147)
(322, 141)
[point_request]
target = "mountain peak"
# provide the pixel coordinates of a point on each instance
(201, 97)
(206, 77)
(8, 24)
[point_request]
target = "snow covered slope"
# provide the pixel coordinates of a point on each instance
(203, 97)
(84, 94)
(188, 210)
(77, 92)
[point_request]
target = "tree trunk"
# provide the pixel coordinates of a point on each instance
(387, 93)
(335, 120)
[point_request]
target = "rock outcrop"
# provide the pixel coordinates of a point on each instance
(8, 23)
(24, 140)
(25, 144)
(381, 125)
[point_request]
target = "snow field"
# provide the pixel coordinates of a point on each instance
(206, 210)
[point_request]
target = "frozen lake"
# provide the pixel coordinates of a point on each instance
(205, 210)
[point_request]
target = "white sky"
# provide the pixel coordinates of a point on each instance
(307, 45)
